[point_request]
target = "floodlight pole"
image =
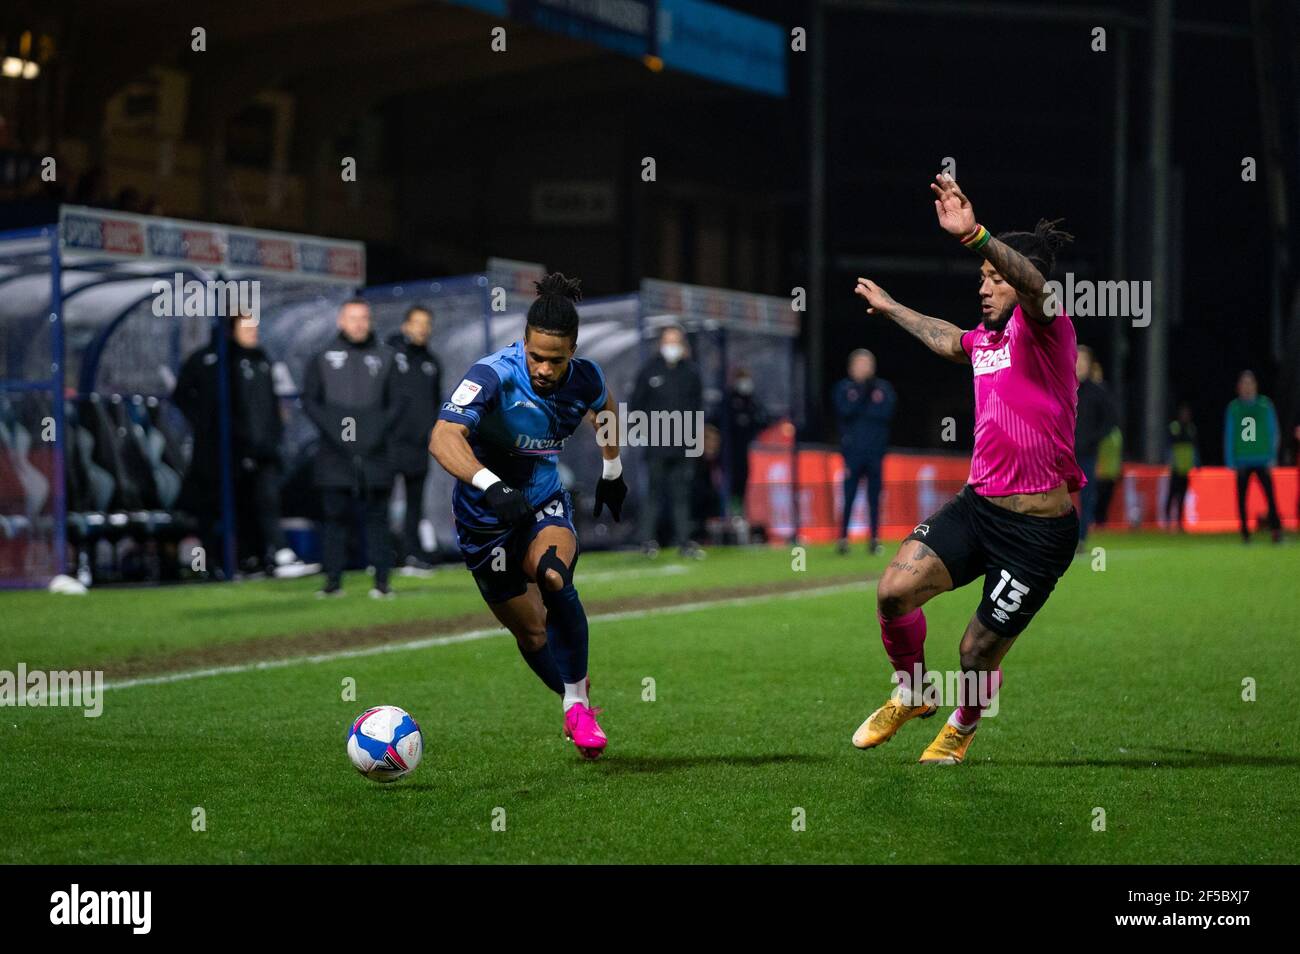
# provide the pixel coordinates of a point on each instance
(1119, 345)
(816, 213)
(1157, 332)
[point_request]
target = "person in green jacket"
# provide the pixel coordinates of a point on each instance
(1250, 440)
(1183, 456)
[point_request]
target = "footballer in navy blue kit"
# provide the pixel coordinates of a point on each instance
(500, 435)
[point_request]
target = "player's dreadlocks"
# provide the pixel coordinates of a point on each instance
(553, 311)
(1041, 245)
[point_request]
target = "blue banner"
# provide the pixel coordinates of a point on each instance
(693, 36)
(720, 44)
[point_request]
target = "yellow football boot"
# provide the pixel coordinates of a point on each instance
(948, 748)
(885, 721)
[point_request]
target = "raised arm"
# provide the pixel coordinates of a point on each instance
(957, 218)
(941, 337)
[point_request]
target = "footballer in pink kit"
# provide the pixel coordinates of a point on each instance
(1013, 524)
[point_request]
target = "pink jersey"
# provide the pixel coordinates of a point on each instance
(1026, 395)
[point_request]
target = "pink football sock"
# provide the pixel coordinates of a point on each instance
(904, 639)
(969, 715)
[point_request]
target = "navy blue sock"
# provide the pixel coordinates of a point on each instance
(566, 631)
(542, 662)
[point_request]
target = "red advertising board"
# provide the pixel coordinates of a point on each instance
(915, 485)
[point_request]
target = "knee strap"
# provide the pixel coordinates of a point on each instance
(550, 560)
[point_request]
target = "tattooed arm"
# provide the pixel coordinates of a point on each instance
(1022, 275)
(941, 337)
(957, 218)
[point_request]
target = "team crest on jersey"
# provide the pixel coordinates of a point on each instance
(466, 392)
(992, 359)
(374, 363)
(402, 364)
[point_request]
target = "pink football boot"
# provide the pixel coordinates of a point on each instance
(580, 725)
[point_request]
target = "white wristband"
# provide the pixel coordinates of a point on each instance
(610, 469)
(484, 479)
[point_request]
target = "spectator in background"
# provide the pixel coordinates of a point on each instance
(1096, 419)
(707, 484)
(669, 382)
(1183, 456)
(256, 430)
(419, 385)
(349, 393)
(1110, 454)
(744, 418)
(864, 408)
(1250, 441)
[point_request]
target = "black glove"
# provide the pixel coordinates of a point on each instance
(508, 504)
(611, 493)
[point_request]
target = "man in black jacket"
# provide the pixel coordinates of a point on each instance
(1097, 417)
(349, 394)
(864, 408)
(419, 386)
(256, 430)
(670, 382)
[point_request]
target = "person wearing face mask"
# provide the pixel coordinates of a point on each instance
(669, 382)
(746, 417)
(864, 407)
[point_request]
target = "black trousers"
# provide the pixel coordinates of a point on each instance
(1177, 498)
(671, 480)
(1105, 492)
(257, 510)
(413, 486)
(868, 468)
(1266, 483)
(339, 508)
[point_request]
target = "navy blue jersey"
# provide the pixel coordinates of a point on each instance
(515, 432)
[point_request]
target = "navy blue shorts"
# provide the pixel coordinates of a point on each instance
(496, 556)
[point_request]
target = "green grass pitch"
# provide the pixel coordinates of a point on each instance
(1124, 695)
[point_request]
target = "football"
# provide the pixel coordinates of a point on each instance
(385, 744)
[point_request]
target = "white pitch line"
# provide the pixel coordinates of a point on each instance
(473, 634)
(671, 569)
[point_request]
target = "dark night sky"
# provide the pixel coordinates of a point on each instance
(1026, 110)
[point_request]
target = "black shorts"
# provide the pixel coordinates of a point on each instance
(1020, 556)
